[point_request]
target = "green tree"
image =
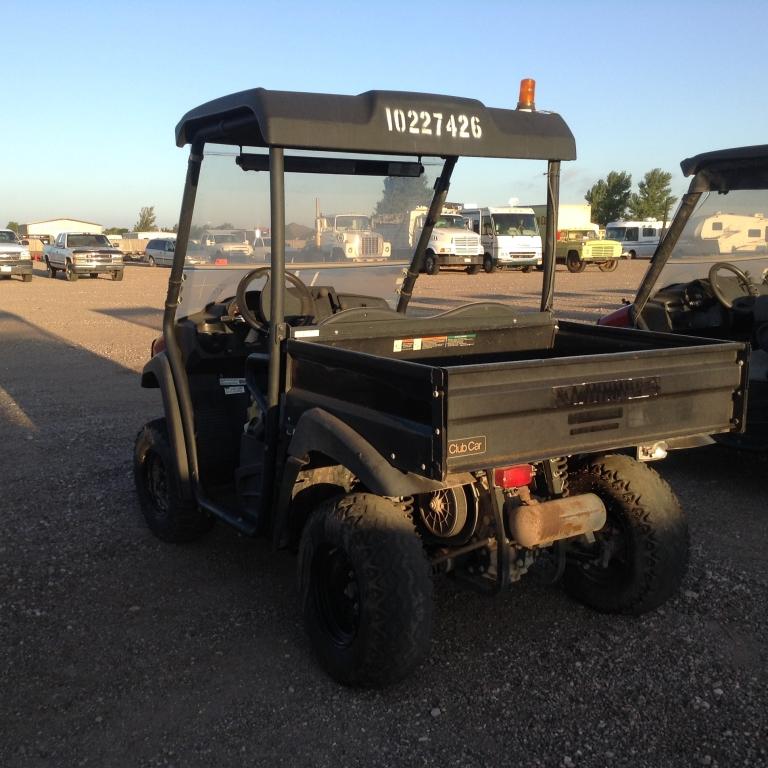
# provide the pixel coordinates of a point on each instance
(609, 197)
(14, 225)
(115, 231)
(146, 222)
(654, 198)
(403, 193)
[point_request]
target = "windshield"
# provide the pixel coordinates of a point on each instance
(353, 233)
(353, 222)
(88, 241)
(579, 234)
(731, 228)
(8, 236)
(446, 222)
(616, 233)
(515, 224)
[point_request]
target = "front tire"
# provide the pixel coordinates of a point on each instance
(169, 516)
(70, 273)
(526, 269)
(151, 261)
(640, 556)
(489, 265)
(27, 278)
(431, 264)
(473, 269)
(117, 275)
(609, 266)
(366, 590)
(51, 271)
(573, 263)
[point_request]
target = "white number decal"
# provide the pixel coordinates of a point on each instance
(431, 123)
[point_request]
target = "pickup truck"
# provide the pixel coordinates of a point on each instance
(390, 448)
(83, 253)
(14, 256)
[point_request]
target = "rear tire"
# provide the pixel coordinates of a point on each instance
(609, 266)
(489, 265)
(527, 269)
(640, 556)
(169, 516)
(94, 275)
(26, 278)
(366, 590)
(431, 264)
(151, 261)
(573, 263)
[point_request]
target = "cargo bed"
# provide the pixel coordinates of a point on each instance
(486, 386)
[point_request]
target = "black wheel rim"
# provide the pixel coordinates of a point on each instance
(337, 594)
(156, 482)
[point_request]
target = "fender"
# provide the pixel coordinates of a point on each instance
(157, 375)
(319, 431)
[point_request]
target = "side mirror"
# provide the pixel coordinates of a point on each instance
(25, 242)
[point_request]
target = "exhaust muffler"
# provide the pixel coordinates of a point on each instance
(540, 524)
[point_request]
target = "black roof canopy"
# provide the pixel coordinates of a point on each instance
(727, 169)
(377, 122)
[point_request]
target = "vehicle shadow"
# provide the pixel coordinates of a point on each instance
(147, 317)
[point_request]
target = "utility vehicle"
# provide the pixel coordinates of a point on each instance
(331, 409)
(709, 275)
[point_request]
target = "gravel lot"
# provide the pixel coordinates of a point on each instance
(116, 649)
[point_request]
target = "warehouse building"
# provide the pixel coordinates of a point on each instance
(48, 230)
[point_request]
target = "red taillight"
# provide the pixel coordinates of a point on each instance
(158, 345)
(560, 234)
(620, 318)
(221, 262)
(513, 477)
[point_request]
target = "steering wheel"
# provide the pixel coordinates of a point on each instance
(745, 283)
(261, 322)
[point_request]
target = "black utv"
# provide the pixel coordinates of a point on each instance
(709, 275)
(333, 411)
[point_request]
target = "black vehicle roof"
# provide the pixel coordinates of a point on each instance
(725, 169)
(336, 123)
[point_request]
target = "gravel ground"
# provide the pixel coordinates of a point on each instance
(116, 649)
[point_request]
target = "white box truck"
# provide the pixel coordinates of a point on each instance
(509, 235)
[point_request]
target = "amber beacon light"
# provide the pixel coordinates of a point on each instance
(527, 98)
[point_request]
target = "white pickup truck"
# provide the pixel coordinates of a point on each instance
(14, 256)
(83, 253)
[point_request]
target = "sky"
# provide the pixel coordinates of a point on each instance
(92, 91)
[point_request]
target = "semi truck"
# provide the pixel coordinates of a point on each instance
(349, 236)
(451, 244)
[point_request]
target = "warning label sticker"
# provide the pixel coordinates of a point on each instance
(434, 342)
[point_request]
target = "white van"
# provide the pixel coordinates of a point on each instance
(638, 238)
(509, 234)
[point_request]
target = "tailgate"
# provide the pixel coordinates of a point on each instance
(509, 412)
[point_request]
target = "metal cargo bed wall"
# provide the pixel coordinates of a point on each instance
(519, 411)
(388, 402)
